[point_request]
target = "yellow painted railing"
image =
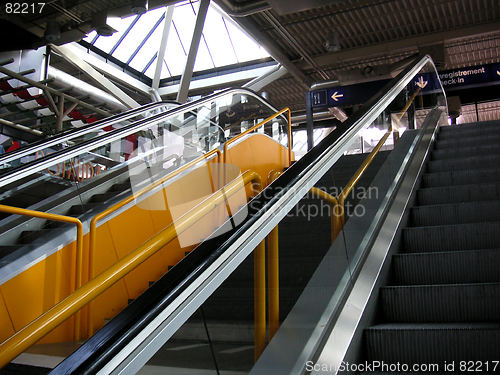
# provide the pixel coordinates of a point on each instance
(79, 245)
(260, 124)
(337, 214)
(52, 318)
(117, 206)
(260, 328)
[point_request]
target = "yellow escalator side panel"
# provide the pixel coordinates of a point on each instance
(112, 301)
(6, 327)
(260, 154)
(129, 230)
(34, 291)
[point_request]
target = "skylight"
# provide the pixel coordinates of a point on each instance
(138, 39)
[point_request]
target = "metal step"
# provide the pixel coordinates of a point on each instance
(452, 237)
(459, 152)
(470, 125)
(8, 249)
(476, 266)
(491, 139)
(456, 178)
(441, 303)
(433, 343)
(30, 236)
(457, 213)
(465, 163)
(459, 194)
(467, 132)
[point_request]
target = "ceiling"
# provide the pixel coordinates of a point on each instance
(374, 33)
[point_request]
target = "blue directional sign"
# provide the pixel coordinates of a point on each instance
(455, 79)
(341, 96)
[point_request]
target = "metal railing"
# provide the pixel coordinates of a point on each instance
(79, 244)
(86, 146)
(117, 206)
(201, 277)
(52, 318)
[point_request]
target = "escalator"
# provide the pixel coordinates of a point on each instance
(331, 301)
(90, 171)
(440, 310)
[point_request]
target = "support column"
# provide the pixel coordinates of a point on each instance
(309, 122)
(193, 50)
(260, 299)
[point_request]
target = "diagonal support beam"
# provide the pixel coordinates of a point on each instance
(193, 50)
(163, 45)
(97, 77)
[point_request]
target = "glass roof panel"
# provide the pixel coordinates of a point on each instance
(137, 34)
(203, 58)
(223, 43)
(175, 55)
(149, 49)
(246, 49)
(184, 19)
(105, 43)
(218, 40)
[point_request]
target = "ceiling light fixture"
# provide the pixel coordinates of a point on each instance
(52, 31)
(139, 6)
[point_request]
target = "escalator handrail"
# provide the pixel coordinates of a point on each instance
(52, 318)
(73, 151)
(206, 267)
(73, 133)
(129, 199)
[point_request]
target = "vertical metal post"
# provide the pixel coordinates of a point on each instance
(309, 122)
(193, 50)
(260, 299)
(273, 282)
(60, 114)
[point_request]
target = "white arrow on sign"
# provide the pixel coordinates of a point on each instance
(336, 96)
(421, 83)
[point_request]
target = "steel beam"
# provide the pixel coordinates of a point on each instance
(402, 44)
(193, 50)
(163, 44)
(97, 77)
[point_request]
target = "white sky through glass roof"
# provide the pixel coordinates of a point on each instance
(222, 43)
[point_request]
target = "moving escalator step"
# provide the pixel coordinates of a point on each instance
(455, 267)
(414, 343)
(457, 213)
(81, 209)
(8, 249)
(492, 139)
(458, 194)
(458, 152)
(120, 187)
(441, 303)
(30, 236)
(465, 163)
(452, 237)
(100, 198)
(467, 133)
(456, 178)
